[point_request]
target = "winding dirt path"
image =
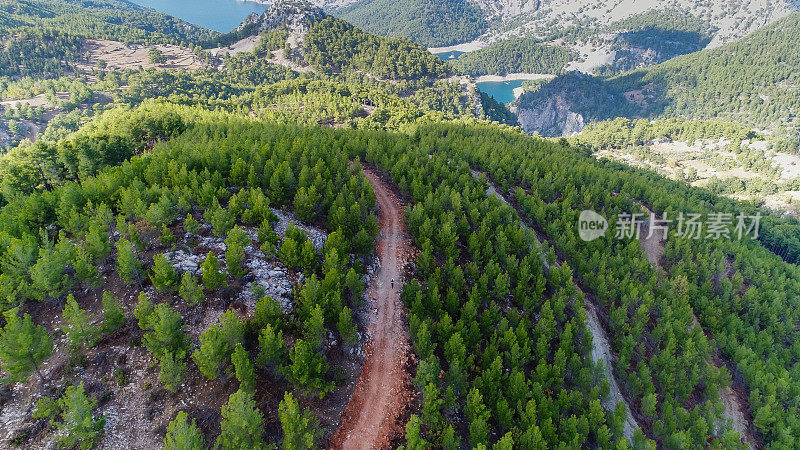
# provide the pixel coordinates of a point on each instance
(383, 388)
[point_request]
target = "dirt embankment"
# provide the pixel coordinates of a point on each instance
(734, 397)
(601, 349)
(373, 416)
(652, 243)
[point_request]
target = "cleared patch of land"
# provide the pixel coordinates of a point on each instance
(247, 44)
(119, 56)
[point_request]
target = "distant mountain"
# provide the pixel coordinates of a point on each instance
(428, 22)
(607, 37)
(754, 82)
(311, 38)
(730, 19)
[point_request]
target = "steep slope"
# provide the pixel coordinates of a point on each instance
(608, 36)
(730, 18)
(752, 82)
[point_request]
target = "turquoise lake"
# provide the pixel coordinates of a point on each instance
(217, 15)
(502, 91)
(449, 56)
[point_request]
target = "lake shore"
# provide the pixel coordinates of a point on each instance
(514, 77)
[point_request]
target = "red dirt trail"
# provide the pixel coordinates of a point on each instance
(383, 390)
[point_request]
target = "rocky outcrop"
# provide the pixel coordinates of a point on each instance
(730, 20)
(295, 15)
(552, 117)
(563, 106)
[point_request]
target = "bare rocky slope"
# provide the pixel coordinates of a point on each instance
(731, 19)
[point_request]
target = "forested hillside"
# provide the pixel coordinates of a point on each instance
(339, 76)
(430, 23)
(752, 82)
(335, 45)
(101, 19)
(179, 204)
(525, 55)
(486, 306)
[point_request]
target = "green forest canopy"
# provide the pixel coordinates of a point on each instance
(431, 23)
(527, 55)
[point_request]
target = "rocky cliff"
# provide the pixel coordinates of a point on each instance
(296, 15)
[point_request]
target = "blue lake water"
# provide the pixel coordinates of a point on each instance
(217, 15)
(502, 91)
(449, 56)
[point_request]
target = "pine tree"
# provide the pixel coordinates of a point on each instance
(267, 312)
(191, 225)
(346, 327)
(167, 237)
(128, 265)
(48, 275)
(431, 406)
(308, 256)
(273, 347)
(85, 270)
(450, 440)
(414, 439)
(165, 330)
(304, 202)
(183, 435)
(78, 426)
(289, 253)
(172, 370)
(505, 443)
(164, 276)
(79, 328)
(213, 278)
(649, 403)
(478, 432)
(97, 242)
(307, 369)
(190, 289)
(244, 370)
(300, 430)
(242, 423)
(217, 344)
(23, 346)
(268, 239)
(354, 284)
(113, 316)
(220, 219)
(314, 328)
(234, 254)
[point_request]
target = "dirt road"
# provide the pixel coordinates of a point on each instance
(383, 388)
